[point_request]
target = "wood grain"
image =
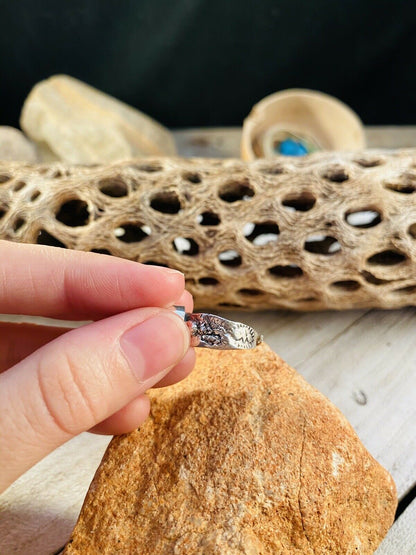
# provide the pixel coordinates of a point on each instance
(402, 537)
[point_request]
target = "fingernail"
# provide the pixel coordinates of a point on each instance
(155, 345)
(172, 271)
(166, 270)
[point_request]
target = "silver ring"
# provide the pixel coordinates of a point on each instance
(215, 332)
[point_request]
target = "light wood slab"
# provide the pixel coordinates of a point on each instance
(401, 539)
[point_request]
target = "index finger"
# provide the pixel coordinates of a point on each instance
(58, 283)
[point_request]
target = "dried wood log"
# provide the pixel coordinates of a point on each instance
(331, 230)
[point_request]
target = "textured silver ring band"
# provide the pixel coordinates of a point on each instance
(215, 332)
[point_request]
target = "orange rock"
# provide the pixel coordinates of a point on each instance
(242, 457)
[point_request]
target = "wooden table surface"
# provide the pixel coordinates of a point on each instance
(363, 360)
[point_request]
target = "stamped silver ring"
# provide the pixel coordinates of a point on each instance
(215, 332)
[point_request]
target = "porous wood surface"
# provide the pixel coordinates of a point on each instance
(333, 230)
(242, 457)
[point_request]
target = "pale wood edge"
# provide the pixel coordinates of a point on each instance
(401, 540)
(223, 142)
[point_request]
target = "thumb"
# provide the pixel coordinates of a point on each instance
(79, 379)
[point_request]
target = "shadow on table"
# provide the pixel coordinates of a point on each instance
(24, 531)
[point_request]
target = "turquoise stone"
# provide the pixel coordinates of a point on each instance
(290, 147)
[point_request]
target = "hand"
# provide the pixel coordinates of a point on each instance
(56, 383)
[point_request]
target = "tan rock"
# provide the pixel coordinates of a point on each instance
(243, 457)
(15, 146)
(76, 123)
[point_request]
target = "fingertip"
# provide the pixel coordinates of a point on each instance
(180, 371)
(127, 419)
(162, 285)
(185, 300)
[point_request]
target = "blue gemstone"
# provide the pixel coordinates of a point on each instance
(290, 147)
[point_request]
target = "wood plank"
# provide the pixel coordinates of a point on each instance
(392, 136)
(401, 539)
(224, 142)
(38, 511)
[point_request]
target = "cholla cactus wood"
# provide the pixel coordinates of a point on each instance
(331, 230)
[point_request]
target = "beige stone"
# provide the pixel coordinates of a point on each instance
(73, 122)
(15, 146)
(333, 230)
(243, 457)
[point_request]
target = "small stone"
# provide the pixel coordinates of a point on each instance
(75, 123)
(14, 146)
(290, 147)
(242, 457)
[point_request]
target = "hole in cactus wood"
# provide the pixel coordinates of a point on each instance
(387, 258)
(166, 201)
(208, 218)
(74, 213)
(36, 194)
(230, 305)
(192, 177)
(250, 292)
(369, 162)
(230, 258)
(45, 238)
(261, 233)
(235, 191)
(288, 271)
(113, 187)
(363, 218)
(322, 244)
(19, 186)
(2, 212)
(406, 290)
(346, 285)
(301, 203)
(101, 251)
(412, 230)
(4, 177)
(208, 281)
(275, 169)
(19, 222)
(186, 246)
(336, 174)
(405, 184)
(370, 278)
(132, 233)
(149, 168)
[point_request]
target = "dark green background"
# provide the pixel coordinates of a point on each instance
(206, 62)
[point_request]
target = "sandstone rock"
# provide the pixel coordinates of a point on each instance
(76, 123)
(243, 457)
(15, 146)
